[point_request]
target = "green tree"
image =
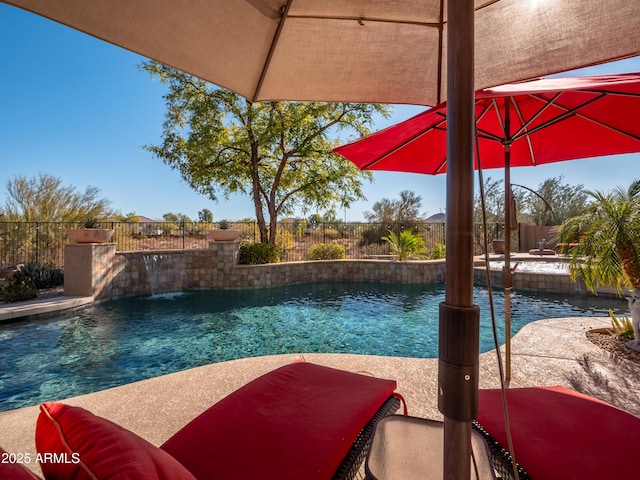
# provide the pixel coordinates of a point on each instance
(279, 153)
(130, 217)
(205, 216)
(176, 217)
(494, 202)
(566, 200)
(45, 199)
(607, 240)
(392, 216)
(404, 210)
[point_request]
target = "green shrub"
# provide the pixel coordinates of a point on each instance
(41, 276)
(18, 291)
(326, 251)
(438, 251)
(258, 253)
(406, 244)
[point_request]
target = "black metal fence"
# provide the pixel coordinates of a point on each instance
(43, 242)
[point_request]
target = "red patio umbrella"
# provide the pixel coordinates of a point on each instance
(536, 122)
(523, 124)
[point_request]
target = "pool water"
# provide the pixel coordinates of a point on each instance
(122, 341)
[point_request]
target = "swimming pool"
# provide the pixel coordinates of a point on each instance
(122, 341)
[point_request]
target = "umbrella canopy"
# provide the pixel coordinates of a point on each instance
(377, 51)
(551, 120)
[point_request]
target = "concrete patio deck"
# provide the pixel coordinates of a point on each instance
(544, 353)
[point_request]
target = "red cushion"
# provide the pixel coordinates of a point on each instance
(12, 465)
(296, 422)
(561, 434)
(90, 447)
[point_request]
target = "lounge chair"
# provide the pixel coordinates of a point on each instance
(300, 421)
(559, 434)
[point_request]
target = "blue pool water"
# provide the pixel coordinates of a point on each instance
(122, 341)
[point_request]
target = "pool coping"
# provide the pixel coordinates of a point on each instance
(15, 311)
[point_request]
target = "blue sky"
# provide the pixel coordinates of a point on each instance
(77, 108)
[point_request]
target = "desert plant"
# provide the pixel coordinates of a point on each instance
(622, 327)
(438, 251)
(258, 253)
(405, 244)
(90, 222)
(18, 291)
(326, 251)
(42, 276)
(223, 224)
(608, 251)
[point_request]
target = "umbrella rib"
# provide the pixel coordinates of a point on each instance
(411, 139)
(516, 107)
(265, 9)
(361, 20)
(568, 113)
(485, 133)
(272, 48)
(382, 20)
(546, 104)
(574, 111)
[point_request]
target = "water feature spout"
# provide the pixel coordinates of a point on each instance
(166, 273)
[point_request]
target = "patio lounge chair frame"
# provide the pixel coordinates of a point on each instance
(358, 452)
(501, 458)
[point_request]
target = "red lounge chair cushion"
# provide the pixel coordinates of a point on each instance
(561, 434)
(90, 447)
(296, 422)
(12, 466)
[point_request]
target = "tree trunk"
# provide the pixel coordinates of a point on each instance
(255, 193)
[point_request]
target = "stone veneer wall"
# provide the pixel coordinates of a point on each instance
(541, 282)
(557, 283)
(218, 268)
(99, 271)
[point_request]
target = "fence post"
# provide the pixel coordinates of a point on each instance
(37, 242)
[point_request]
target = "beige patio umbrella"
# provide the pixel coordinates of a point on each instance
(381, 51)
(353, 50)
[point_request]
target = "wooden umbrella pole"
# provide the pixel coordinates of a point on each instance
(507, 277)
(459, 317)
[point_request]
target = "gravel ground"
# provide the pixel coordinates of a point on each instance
(614, 346)
(612, 375)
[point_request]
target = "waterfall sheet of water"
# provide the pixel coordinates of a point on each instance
(166, 273)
